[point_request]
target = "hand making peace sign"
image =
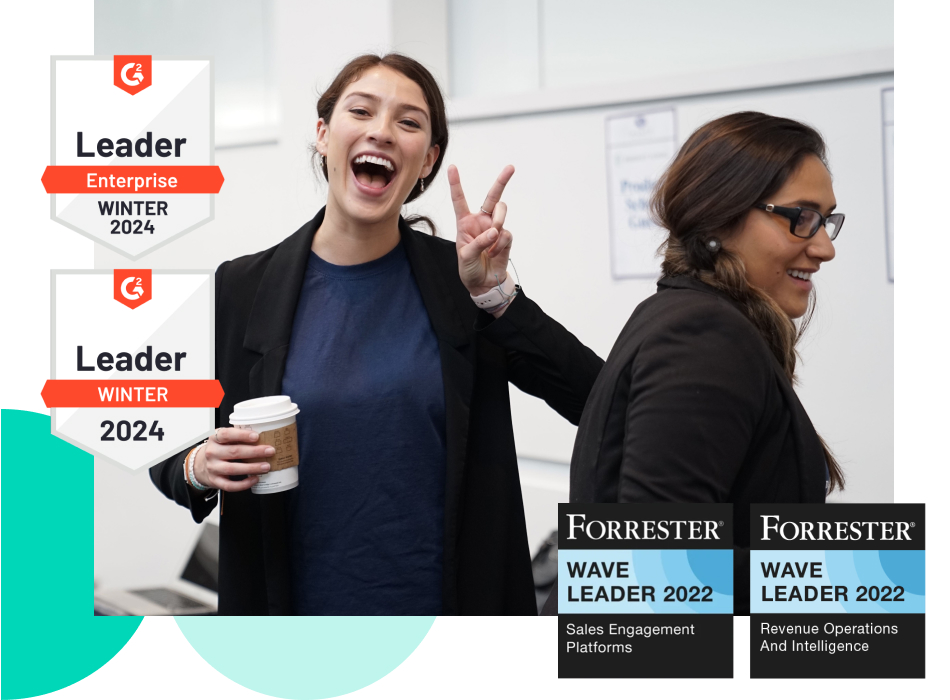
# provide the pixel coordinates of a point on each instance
(482, 242)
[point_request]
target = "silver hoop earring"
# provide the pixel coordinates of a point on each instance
(422, 184)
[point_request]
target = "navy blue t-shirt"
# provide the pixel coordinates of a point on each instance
(364, 368)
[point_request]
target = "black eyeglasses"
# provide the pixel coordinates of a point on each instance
(806, 222)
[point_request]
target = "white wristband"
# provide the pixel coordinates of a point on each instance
(197, 485)
(496, 296)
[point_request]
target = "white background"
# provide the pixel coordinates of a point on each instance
(492, 657)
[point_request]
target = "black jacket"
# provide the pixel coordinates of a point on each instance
(693, 407)
(486, 562)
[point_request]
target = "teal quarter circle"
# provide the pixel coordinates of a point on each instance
(50, 637)
(305, 658)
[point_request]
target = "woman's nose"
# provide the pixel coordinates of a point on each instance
(381, 132)
(821, 247)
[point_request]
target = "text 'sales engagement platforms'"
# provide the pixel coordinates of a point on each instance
(645, 590)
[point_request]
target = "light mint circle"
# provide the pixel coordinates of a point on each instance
(305, 658)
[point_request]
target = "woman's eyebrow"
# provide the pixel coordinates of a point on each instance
(365, 95)
(374, 98)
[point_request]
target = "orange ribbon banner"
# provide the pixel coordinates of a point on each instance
(132, 179)
(132, 393)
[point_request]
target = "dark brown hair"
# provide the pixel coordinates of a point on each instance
(418, 74)
(725, 168)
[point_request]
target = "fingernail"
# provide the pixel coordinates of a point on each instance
(493, 234)
(269, 451)
(253, 436)
(265, 467)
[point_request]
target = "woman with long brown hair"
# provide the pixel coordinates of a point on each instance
(398, 348)
(696, 403)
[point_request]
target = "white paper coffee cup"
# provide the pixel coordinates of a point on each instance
(274, 419)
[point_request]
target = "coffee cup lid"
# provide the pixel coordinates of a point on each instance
(264, 409)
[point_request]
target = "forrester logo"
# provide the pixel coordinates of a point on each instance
(132, 73)
(866, 530)
(132, 287)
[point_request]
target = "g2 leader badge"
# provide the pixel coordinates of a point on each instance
(132, 151)
(132, 377)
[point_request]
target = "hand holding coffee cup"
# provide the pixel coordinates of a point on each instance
(226, 454)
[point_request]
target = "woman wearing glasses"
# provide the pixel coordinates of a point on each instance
(696, 401)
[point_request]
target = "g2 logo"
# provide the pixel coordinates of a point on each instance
(132, 288)
(132, 73)
(137, 78)
(137, 292)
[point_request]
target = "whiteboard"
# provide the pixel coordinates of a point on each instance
(559, 213)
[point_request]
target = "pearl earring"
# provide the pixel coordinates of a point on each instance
(422, 184)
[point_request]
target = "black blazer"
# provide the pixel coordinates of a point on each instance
(693, 407)
(486, 561)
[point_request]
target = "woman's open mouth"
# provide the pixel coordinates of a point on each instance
(374, 173)
(801, 278)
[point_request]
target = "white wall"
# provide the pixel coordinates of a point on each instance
(510, 46)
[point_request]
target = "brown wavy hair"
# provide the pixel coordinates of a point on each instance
(725, 168)
(418, 74)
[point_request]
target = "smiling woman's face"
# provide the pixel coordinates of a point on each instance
(376, 145)
(777, 262)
